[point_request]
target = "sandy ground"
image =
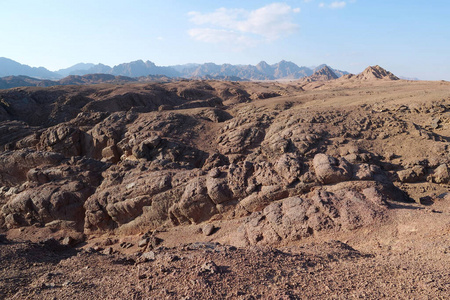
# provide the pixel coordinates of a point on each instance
(406, 257)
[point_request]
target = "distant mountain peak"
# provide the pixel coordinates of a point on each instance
(326, 71)
(323, 74)
(262, 65)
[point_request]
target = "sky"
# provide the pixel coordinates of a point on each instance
(409, 38)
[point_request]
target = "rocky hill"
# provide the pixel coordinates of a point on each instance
(16, 81)
(376, 72)
(371, 73)
(148, 178)
(95, 79)
(323, 74)
(23, 81)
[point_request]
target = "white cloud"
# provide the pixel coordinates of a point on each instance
(244, 27)
(338, 4)
(335, 4)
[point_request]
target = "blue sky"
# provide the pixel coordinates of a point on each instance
(409, 38)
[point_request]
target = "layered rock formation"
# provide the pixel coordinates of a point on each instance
(139, 157)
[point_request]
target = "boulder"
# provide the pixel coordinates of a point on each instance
(330, 170)
(61, 139)
(169, 154)
(411, 175)
(54, 195)
(17, 135)
(14, 165)
(340, 207)
(46, 203)
(367, 172)
(258, 201)
(217, 187)
(238, 139)
(195, 205)
(208, 229)
(125, 194)
(288, 167)
(441, 174)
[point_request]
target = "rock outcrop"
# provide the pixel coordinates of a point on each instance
(140, 157)
(345, 206)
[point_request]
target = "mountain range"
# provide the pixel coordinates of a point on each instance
(9, 67)
(261, 71)
(323, 74)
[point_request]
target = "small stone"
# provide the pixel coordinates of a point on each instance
(208, 229)
(148, 256)
(90, 250)
(210, 267)
(68, 241)
(143, 242)
(435, 123)
(48, 285)
(97, 248)
(427, 200)
(155, 241)
(108, 251)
